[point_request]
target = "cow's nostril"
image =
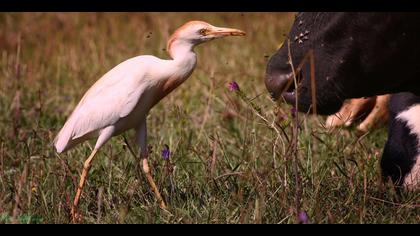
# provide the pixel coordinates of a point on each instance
(278, 83)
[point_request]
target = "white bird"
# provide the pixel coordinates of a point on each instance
(123, 97)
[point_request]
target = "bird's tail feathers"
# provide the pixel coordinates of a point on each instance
(61, 142)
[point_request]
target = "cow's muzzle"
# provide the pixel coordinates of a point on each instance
(281, 86)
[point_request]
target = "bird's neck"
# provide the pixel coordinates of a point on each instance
(178, 49)
(182, 64)
(183, 55)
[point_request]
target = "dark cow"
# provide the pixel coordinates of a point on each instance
(356, 55)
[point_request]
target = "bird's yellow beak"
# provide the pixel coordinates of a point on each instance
(222, 32)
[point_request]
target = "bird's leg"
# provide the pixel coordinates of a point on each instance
(142, 139)
(146, 170)
(104, 136)
(86, 167)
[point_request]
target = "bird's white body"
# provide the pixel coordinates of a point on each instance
(123, 97)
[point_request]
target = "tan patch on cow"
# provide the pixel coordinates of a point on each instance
(375, 109)
(378, 116)
(349, 111)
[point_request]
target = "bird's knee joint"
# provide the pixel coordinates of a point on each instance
(86, 167)
(146, 167)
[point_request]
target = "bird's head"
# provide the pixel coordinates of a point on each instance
(197, 32)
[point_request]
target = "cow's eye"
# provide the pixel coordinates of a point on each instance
(203, 32)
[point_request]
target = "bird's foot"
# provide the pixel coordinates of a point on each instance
(76, 217)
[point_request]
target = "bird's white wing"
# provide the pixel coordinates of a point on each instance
(112, 97)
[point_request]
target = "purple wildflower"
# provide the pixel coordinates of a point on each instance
(165, 152)
(293, 111)
(303, 218)
(233, 86)
(282, 118)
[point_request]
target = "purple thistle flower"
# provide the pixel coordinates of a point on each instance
(293, 111)
(165, 152)
(303, 218)
(233, 86)
(282, 118)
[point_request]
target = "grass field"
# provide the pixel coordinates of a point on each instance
(232, 159)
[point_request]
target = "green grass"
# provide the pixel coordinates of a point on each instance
(230, 163)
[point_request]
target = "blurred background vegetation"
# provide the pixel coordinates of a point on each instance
(230, 156)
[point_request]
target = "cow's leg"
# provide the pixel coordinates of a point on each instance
(350, 111)
(378, 115)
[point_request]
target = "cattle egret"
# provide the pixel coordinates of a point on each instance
(122, 98)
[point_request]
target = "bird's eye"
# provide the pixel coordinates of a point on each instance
(203, 32)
